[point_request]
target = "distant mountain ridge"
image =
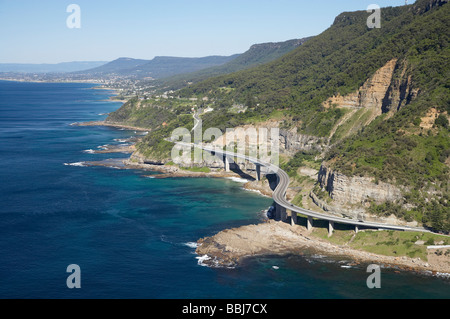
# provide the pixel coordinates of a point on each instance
(50, 68)
(159, 67)
(170, 71)
(257, 54)
(118, 66)
(369, 109)
(176, 72)
(163, 66)
(265, 52)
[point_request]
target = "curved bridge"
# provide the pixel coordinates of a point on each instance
(283, 207)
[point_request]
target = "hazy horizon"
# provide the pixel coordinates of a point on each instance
(37, 33)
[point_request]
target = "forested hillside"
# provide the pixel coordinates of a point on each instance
(378, 100)
(258, 54)
(159, 67)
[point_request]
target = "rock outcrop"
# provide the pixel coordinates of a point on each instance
(371, 94)
(292, 142)
(388, 90)
(289, 141)
(350, 196)
(346, 190)
(400, 91)
(230, 248)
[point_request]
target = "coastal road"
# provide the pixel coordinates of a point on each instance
(279, 194)
(196, 121)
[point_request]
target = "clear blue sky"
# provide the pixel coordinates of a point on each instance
(35, 31)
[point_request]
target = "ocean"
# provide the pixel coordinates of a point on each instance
(133, 236)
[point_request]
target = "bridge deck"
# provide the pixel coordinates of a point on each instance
(279, 194)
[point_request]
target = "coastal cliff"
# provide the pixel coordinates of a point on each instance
(345, 190)
(352, 197)
(369, 107)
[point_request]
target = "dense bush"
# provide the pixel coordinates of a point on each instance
(393, 148)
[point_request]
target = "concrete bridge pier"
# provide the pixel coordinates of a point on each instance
(330, 228)
(280, 213)
(309, 223)
(293, 218)
(258, 172)
(227, 161)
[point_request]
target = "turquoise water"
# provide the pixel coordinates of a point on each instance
(130, 234)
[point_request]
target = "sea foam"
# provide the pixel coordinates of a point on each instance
(237, 179)
(202, 259)
(191, 245)
(79, 164)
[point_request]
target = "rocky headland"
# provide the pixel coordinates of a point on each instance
(230, 247)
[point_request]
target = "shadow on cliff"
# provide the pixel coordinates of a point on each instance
(236, 169)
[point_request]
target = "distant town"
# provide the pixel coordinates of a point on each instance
(126, 87)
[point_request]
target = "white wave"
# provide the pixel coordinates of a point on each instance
(121, 140)
(89, 151)
(237, 179)
(443, 275)
(191, 245)
(202, 259)
(255, 191)
(346, 266)
(79, 164)
(318, 256)
(214, 264)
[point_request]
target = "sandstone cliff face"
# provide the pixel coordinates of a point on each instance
(292, 142)
(388, 90)
(371, 94)
(351, 196)
(139, 158)
(346, 190)
(289, 141)
(205, 161)
(401, 91)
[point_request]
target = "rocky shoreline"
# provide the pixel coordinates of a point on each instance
(111, 124)
(231, 247)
